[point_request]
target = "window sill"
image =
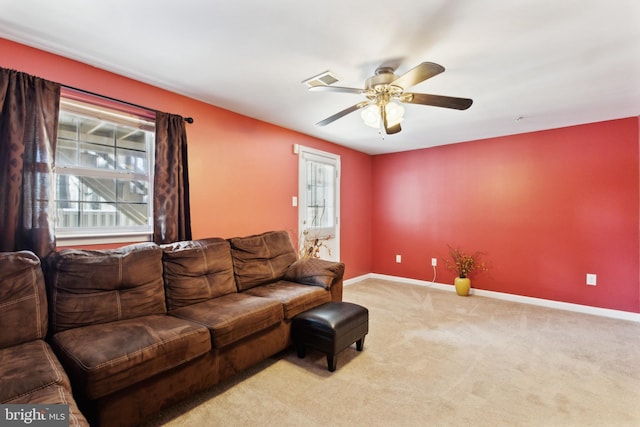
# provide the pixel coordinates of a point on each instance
(104, 239)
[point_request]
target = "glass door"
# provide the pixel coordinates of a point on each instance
(319, 204)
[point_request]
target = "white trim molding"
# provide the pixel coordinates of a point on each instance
(585, 309)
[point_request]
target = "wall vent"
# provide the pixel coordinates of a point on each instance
(323, 79)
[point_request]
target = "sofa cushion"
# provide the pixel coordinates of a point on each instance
(54, 394)
(88, 287)
(262, 258)
(197, 270)
(23, 301)
(315, 272)
(30, 373)
(27, 367)
(294, 297)
(233, 316)
(127, 351)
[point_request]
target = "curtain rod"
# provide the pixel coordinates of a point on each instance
(186, 119)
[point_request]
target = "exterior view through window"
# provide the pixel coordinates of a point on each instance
(104, 172)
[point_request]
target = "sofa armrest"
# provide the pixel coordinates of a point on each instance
(318, 272)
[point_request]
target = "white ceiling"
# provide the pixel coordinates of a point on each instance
(527, 64)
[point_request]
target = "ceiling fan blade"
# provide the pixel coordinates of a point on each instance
(437, 100)
(342, 113)
(389, 130)
(337, 89)
(418, 74)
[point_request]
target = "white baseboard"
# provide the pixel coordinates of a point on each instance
(597, 311)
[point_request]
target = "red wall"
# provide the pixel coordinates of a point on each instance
(243, 172)
(546, 208)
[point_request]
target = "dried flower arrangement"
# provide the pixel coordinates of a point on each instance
(310, 246)
(464, 264)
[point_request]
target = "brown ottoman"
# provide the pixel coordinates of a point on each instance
(330, 328)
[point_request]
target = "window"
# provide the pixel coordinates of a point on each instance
(320, 198)
(103, 173)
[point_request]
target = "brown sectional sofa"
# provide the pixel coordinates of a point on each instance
(30, 373)
(141, 327)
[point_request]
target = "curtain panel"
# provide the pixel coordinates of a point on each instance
(28, 131)
(171, 210)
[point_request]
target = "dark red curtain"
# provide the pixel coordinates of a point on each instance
(171, 212)
(28, 131)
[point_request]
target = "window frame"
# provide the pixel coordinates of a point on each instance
(94, 107)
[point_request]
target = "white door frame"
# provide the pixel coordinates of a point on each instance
(330, 234)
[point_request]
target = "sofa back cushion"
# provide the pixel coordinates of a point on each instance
(261, 258)
(196, 271)
(88, 287)
(23, 301)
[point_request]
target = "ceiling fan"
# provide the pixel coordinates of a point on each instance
(385, 91)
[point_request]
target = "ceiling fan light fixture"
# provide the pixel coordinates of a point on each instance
(395, 113)
(371, 116)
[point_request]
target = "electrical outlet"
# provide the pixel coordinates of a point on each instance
(434, 262)
(591, 279)
(398, 259)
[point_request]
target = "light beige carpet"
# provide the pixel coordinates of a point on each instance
(433, 358)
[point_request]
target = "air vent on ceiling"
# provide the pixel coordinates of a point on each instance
(323, 79)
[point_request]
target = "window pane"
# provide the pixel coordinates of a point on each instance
(96, 156)
(67, 127)
(134, 139)
(97, 131)
(132, 161)
(98, 190)
(94, 202)
(66, 153)
(132, 214)
(67, 190)
(68, 215)
(320, 194)
(97, 215)
(133, 191)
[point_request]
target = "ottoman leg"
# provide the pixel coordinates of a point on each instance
(360, 344)
(300, 350)
(331, 362)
